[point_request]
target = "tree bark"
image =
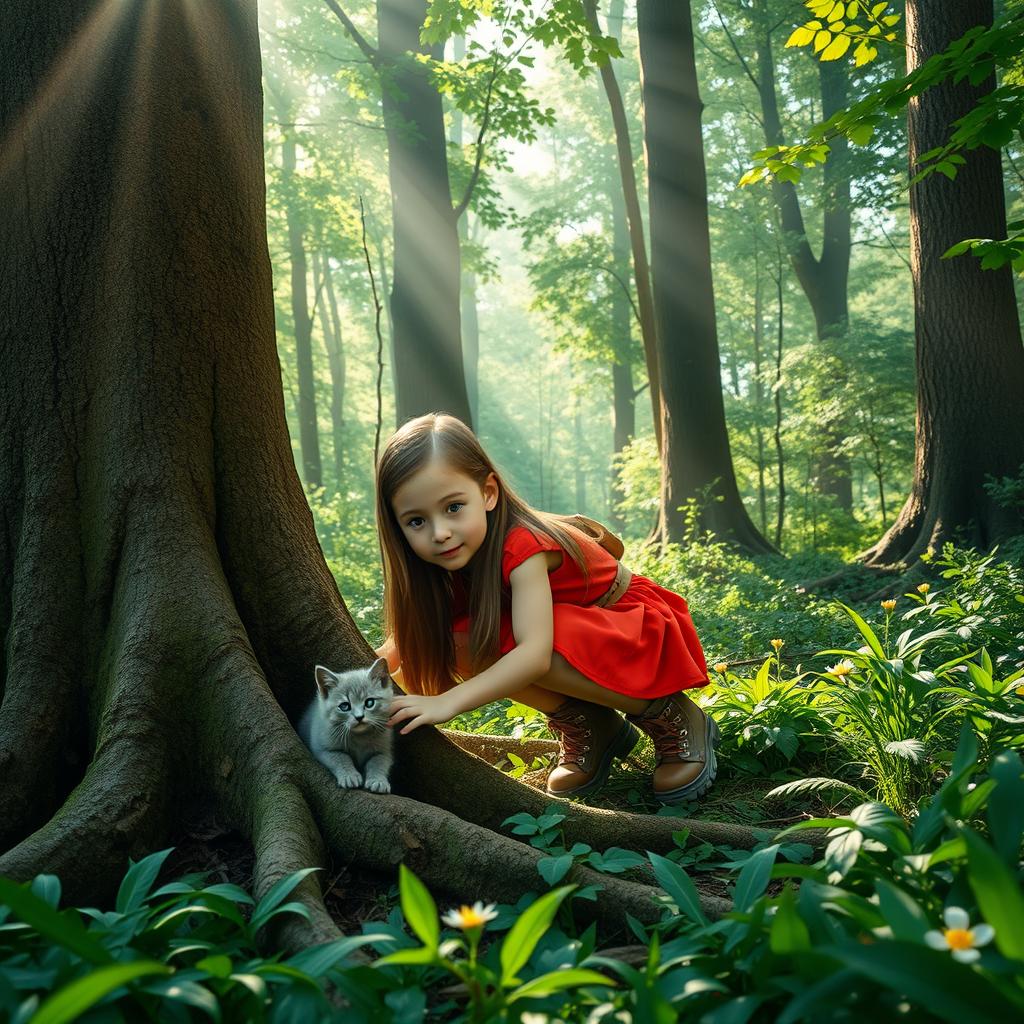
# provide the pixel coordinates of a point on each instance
(163, 597)
(425, 303)
(970, 363)
(696, 459)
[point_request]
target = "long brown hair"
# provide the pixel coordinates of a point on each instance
(417, 595)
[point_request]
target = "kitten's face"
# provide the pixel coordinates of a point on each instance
(358, 701)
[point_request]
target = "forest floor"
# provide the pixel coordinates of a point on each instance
(356, 897)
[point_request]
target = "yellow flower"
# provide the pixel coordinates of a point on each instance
(777, 644)
(889, 606)
(1019, 690)
(840, 669)
(923, 588)
(465, 917)
(722, 667)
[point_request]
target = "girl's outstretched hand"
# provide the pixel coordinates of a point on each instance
(419, 709)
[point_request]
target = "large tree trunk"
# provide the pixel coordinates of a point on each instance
(825, 278)
(696, 460)
(970, 363)
(163, 598)
(425, 301)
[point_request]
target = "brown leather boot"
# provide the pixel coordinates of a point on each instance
(684, 744)
(590, 736)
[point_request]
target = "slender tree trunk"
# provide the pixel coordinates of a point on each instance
(762, 494)
(824, 279)
(425, 304)
(623, 397)
(696, 460)
(780, 517)
(470, 319)
(163, 597)
(970, 363)
(336, 362)
(302, 321)
(638, 246)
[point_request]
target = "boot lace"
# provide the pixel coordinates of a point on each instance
(669, 731)
(574, 736)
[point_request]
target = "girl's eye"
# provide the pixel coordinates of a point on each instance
(369, 702)
(344, 706)
(415, 523)
(455, 506)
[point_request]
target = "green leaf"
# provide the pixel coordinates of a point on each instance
(754, 878)
(788, 932)
(275, 896)
(65, 929)
(901, 911)
(218, 965)
(860, 134)
(1006, 805)
(865, 631)
(420, 955)
(70, 1002)
(419, 908)
(677, 883)
(318, 960)
(558, 981)
(188, 992)
(524, 935)
(47, 888)
(934, 980)
(998, 893)
(138, 880)
(554, 869)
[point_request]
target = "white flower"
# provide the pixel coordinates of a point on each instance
(470, 917)
(959, 937)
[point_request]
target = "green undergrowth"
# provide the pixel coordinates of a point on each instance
(916, 920)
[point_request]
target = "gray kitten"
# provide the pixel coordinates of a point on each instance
(346, 725)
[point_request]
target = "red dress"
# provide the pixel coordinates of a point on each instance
(644, 645)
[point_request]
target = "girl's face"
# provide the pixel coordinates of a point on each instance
(442, 513)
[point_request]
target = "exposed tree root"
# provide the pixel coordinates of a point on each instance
(461, 783)
(494, 749)
(119, 809)
(457, 857)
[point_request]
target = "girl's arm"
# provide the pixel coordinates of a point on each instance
(528, 661)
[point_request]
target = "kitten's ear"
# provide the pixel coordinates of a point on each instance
(325, 680)
(379, 672)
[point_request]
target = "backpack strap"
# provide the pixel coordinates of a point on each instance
(595, 531)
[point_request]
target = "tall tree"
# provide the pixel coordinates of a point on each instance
(302, 320)
(424, 310)
(696, 459)
(163, 598)
(970, 363)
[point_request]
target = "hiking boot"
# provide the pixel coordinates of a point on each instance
(590, 736)
(684, 745)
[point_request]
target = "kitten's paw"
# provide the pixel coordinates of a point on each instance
(349, 779)
(377, 785)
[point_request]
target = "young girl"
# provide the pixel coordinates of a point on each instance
(478, 586)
